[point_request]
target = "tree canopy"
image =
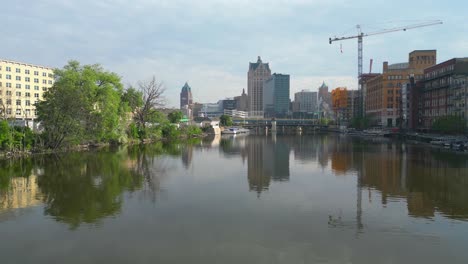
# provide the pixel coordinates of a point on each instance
(84, 104)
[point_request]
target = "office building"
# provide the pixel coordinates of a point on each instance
(276, 96)
(258, 73)
(305, 102)
(186, 96)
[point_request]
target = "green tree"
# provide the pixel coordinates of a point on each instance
(175, 117)
(84, 104)
(5, 135)
(225, 120)
(132, 98)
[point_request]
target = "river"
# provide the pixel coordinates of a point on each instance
(320, 198)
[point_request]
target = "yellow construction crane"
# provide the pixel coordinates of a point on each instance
(361, 35)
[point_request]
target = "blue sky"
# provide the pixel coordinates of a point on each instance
(209, 43)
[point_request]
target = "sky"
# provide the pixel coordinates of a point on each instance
(209, 43)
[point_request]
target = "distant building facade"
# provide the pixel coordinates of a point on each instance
(186, 96)
(258, 73)
(324, 94)
(305, 102)
(242, 102)
(21, 86)
(445, 90)
(276, 95)
(383, 91)
(345, 104)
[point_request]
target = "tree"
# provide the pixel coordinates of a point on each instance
(153, 99)
(84, 104)
(133, 98)
(175, 117)
(225, 120)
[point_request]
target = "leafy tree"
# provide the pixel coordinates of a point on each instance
(133, 98)
(170, 131)
(5, 135)
(174, 117)
(192, 131)
(84, 104)
(225, 120)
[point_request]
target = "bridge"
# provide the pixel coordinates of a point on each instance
(253, 123)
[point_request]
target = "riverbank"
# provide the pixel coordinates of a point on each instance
(96, 146)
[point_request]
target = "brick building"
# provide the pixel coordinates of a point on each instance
(382, 98)
(445, 90)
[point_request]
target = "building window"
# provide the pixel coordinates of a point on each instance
(18, 111)
(8, 85)
(51, 75)
(26, 71)
(8, 77)
(18, 70)
(8, 69)
(36, 87)
(18, 78)
(8, 93)
(28, 94)
(8, 111)
(28, 103)
(27, 86)
(50, 81)
(18, 85)
(18, 93)
(44, 81)
(36, 95)
(44, 74)
(44, 89)
(18, 102)
(36, 80)
(8, 101)
(36, 73)
(27, 79)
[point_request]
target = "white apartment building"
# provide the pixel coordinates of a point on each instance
(22, 85)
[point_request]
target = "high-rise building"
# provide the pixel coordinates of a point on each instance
(258, 73)
(186, 96)
(345, 104)
(21, 86)
(276, 95)
(383, 91)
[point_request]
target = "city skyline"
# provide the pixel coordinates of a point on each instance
(167, 36)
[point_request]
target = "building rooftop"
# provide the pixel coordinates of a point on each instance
(26, 64)
(186, 88)
(253, 66)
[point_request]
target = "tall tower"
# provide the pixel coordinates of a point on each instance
(186, 96)
(258, 73)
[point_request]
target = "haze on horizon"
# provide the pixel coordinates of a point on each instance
(209, 43)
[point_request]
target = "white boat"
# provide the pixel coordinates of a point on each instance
(234, 131)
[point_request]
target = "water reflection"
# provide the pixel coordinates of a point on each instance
(83, 187)
(431, 180)
(86, 187)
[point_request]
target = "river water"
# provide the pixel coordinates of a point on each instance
(250, 199)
